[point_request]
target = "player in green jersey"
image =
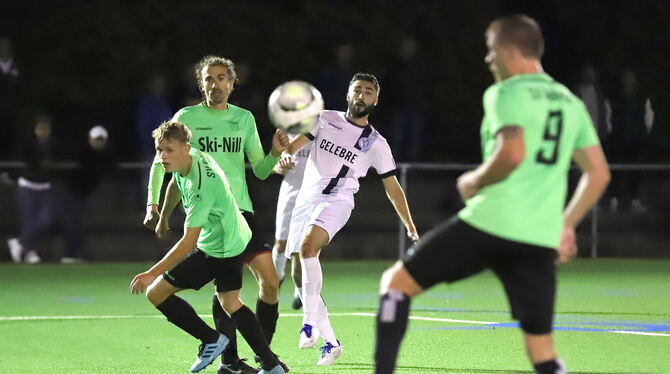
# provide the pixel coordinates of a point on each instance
(514, 219)
(228, 133)
(215, 237)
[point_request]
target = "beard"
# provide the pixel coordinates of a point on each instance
(359, 111)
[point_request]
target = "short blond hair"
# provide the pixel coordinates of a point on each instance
(172, 130)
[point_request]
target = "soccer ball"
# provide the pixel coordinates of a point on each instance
(294, 107)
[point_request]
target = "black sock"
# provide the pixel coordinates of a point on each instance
(225, 325)
(182, 315)
(250, 329)
(267, 315)
(554, 366)
(391, 326)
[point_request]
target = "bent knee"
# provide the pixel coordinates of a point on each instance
(398, 278)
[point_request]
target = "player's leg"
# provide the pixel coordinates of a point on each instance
(296, 274)
(228, 284)
(279, 259)
(453, 245)
(529, 277)
(267, 305)
(397, 289)
(192, 273)
(313, 239)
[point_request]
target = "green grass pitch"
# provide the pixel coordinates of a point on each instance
(613, 316)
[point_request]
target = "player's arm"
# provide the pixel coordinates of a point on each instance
(508, 154)
(156, 176)
(396, 195)
(185, 245)
(172, 198)
(261, 163)
(592, 184)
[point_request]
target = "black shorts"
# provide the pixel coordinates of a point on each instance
(256, 245)
(455, 250)
(198, 268)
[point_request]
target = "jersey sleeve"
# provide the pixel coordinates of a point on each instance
(311, 135)
(156, 176)
(261, 163)
(586, 135)
(504, 107)
(383, 161)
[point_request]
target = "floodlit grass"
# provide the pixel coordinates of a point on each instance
(95, 325)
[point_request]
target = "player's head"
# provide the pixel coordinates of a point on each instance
(97, 137)
(216, 78)
(172, 145)
(42, 127)
(511, 41)
(363, 95)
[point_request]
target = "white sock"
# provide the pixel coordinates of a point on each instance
(312, 279)
(323, 324)
(279, 261)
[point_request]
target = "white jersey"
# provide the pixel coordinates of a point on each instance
(341, 153)
(288, 192)
(293, 177)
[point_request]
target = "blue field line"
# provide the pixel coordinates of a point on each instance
(606, 327)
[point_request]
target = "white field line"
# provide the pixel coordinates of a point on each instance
(417, 318)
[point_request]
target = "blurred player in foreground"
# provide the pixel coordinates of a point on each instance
(514, 217)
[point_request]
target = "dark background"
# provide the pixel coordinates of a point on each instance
(86, 62)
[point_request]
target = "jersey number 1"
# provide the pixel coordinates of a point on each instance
(552, 134)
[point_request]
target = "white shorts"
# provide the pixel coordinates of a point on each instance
(285, 205)
(331, 214)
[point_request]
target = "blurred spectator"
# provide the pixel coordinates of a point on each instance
(333, 80)
(187, 90)
(94, 161)
(151, 109)
(9, 95)
(34, 193)
(407, 92)
(590, 91)
(632, 120)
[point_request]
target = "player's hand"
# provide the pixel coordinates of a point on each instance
(413, 235)
(287, 162)
(162, 228)
(141, 281)
(151, 217)
(567, 248)
(280, 143)
(467, 185)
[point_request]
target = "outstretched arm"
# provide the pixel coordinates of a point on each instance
(262, 164)
(594, 179)
(185, 245)
(397, 197)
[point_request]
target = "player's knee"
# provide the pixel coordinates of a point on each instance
(154, 295)
(308, 249)
(535, 325)
(231, 303)
(280, 246)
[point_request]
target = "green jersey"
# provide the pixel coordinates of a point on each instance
(527, 206)
(226, 135)
(209, 203)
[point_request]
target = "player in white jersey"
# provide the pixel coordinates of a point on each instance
(288, 192)
(344, 146)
